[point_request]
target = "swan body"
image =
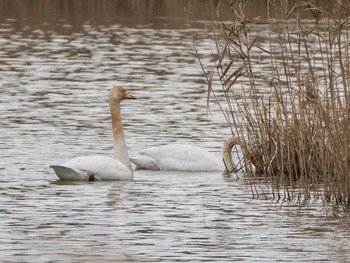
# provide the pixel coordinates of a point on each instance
(96, 167)
(92, 168)
(178, 157)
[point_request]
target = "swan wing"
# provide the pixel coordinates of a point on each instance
(144, 161)
(182, 157)
(66, 173)
(101, 167)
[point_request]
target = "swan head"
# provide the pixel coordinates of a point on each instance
(118, 94)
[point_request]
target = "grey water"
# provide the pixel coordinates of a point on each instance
(56, 69)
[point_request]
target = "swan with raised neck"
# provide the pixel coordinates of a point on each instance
(97, 167)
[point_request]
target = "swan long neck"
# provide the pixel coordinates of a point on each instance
(120, 150)
(250, 154)
(227, 154)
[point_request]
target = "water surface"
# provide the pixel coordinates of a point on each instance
(53, 101)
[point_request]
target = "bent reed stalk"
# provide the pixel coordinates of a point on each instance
(284, 92)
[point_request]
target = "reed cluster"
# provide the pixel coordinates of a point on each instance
(284, 83)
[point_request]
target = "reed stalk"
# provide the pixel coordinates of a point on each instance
(284, 92)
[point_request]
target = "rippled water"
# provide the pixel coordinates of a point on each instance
(53, 102)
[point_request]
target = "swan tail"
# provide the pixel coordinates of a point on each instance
(66, 173)
(145, 162)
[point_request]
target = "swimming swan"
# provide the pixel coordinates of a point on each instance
(96, 167)
(183, 157)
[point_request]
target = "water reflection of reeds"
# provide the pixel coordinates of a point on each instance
(132, 12)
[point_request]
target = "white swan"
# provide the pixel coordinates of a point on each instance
(96, 167)
(183, 157)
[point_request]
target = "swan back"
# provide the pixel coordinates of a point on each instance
(98, 166)
(180, 157)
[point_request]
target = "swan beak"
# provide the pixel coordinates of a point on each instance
(127, 95)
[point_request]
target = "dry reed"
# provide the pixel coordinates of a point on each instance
(284, 92)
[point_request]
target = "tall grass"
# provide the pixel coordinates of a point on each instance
(284, 92)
